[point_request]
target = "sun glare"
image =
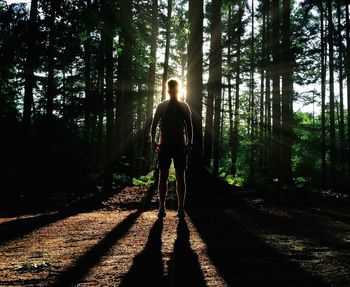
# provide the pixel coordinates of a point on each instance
(182, 90)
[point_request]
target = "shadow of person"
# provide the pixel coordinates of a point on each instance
(184, 268)
(147, 268)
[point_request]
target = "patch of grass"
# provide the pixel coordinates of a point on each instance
(36, 266)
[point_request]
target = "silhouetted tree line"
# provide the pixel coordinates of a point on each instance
(79, 81)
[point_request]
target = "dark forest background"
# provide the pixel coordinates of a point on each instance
(267, 81)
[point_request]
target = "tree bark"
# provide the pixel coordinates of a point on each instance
(167, 50)
(51, 62)
(287, 96)
(101, 89)
(230, 99)
(126, 89)
(276, 96)
(262, 89)
(87, 78)
(151, 83)
(194, 75)
(252, 100)
(268, 127)
(348, 74)
(109, 63)
(212, 128)
(29, 69)
(323, 97)
(237, 92)
(341, 79)
(195, 172)
(331, 95)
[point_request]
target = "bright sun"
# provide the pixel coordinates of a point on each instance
(182, 90)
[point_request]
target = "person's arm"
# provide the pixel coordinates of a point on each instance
(154, 124)
(188, 124)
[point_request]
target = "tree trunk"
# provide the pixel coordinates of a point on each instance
(194, 98)
(341, 77)
(101, 91)
(127, 112)
(194, 75)
(262, 89)
(212, 128)
(252, 101)
(29, 69)
(238, 81)
(287, 96)
(323, 97)
(109, 60)
(348, 74)
(268, 127)
(331, 95)
(88, 99)
(276, 96)
(167, 50)
(151, 83)
(123, 152)
(229, 65)
(51, 62)
(87, 76)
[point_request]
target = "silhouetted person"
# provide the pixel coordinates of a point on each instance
(175, 142)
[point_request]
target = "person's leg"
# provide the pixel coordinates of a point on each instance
(163, 187)
(180, 187)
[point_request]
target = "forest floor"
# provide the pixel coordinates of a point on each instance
(252, 239)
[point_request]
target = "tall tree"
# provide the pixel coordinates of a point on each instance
(87, 72)
(341, 77)
(108, 30)
(262, 86)
(214, 87)
(348, 72)
(217, 85)
(30, 67)
(229, 65)
(194, 75)
(237, 86)
(125, 85)
(51, 87)
(331, 92)
(167, 49)
(287, 95)
(276, 96)
(268, 127)
(252, 97)
(151, 79)
(323, 94)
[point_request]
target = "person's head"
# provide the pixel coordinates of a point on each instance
(173, 89)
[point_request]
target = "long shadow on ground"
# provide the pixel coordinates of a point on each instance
(147, 268)
(302, 226)
(20, 227)
(242, 258)
(184, 268)
(93, 256)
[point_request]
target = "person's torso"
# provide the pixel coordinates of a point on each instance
(172, 122)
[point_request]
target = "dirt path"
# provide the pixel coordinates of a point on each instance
(123, 244)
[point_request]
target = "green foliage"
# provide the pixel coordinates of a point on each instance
(236, 181)
(306, 150)
(121, 180)
(144, 180)
(302, 182)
